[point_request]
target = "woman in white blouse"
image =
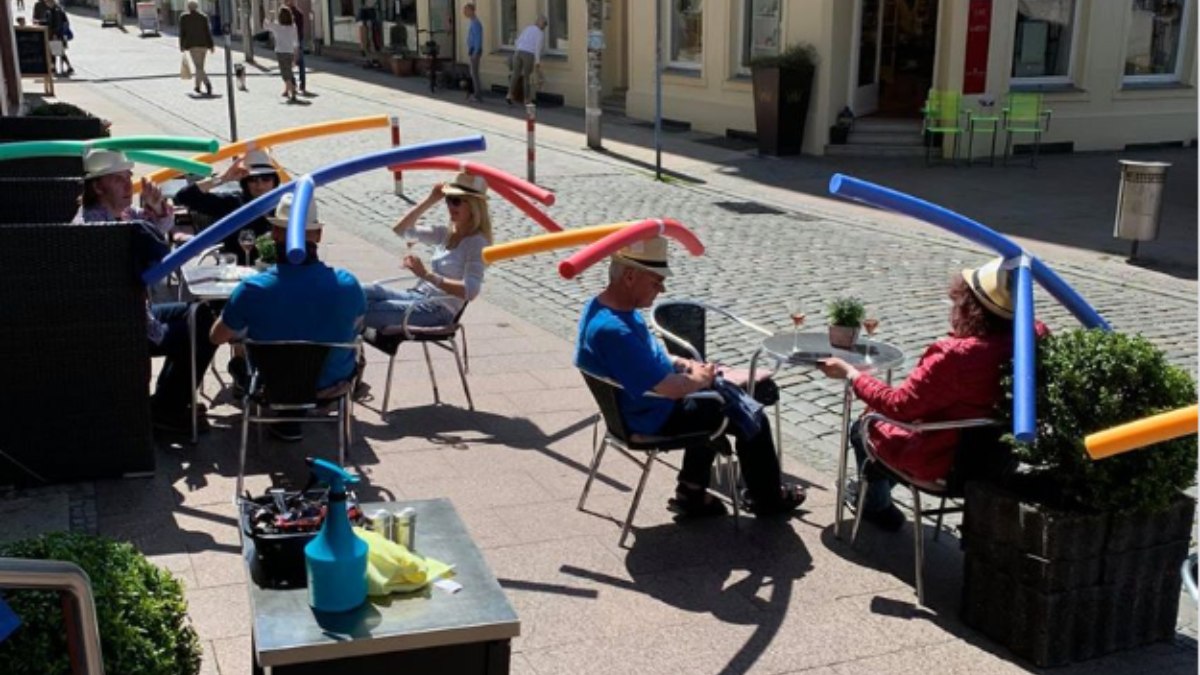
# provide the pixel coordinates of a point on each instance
(455, 273)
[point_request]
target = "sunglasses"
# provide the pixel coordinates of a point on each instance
(260, 177)
(454, 200)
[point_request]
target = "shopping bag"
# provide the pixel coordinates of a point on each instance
(185, 68)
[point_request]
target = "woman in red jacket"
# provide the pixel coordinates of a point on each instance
(958, 377)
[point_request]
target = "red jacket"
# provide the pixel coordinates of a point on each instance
(957, 378)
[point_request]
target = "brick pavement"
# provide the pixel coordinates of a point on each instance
(810, 250)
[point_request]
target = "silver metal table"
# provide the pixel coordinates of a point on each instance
(428, 631)
(805, 349)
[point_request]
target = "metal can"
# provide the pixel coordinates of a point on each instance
(406, 529)
(384, 523)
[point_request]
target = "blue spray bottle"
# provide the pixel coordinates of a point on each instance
(336, 559)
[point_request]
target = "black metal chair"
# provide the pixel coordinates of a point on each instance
(283, 381)
(389, 339)
(979, 454)
(683, 326)
(617, 435)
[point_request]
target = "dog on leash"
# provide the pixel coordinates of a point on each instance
(239, 71)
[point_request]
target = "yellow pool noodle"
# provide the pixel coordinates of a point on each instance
(549, 242)
(1143, 432)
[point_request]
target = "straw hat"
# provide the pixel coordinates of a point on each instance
(649, 255)
(989, 284)
(259, 163)
(466, 185)
(99, 163)
(284, 210)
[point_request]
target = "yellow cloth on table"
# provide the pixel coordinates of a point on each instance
(392, 568)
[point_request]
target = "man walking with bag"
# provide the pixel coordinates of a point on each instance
(195, 38)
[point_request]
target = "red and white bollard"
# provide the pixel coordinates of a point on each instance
(530, 144)
(397, 175)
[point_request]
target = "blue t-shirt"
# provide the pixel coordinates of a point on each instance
(475, 37)
(301, 302)
(619, 346)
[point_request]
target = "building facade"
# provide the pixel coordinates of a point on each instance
(1114, 72)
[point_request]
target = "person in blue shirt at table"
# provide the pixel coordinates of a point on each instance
(614, 342)
(309, 301)
(474, 50)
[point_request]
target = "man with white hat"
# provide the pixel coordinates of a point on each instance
(309, 301)
(614, 342)
(108, 197)
(257, 175)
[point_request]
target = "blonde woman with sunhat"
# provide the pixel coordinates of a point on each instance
(957, 378)
(455, 272)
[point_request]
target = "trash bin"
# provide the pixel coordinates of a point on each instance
(1139, 201)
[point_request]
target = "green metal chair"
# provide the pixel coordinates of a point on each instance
(1024, 114)
(943, 115)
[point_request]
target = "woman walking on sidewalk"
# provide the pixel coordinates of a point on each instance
(286, 45)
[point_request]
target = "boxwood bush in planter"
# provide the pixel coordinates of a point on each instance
(144, 627)
(1075, 558)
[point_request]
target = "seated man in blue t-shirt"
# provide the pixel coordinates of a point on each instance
(614, 342)
(310, 301)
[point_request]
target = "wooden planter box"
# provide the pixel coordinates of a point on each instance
(1060, 586)
(781, 99)
(402, 66)
(15, 129)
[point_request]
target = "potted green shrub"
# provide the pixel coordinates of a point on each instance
(782, 89)
(1074, 558)
(140, 608)
(845, 316)
(266, 251)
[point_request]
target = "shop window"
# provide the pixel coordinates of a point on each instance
(557, 34)
(685, 34)
(758, 33)
(1153, 46)
(1045, 39)
(507, 12)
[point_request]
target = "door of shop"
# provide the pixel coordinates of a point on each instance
(441, 19)
(896, 46)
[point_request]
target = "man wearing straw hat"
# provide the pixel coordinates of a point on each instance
(614, 342)
(108, 197)
(307, 301)
(257, 175)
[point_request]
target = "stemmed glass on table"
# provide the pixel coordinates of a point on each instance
(247, 239)
(869, 324)
(797, 317)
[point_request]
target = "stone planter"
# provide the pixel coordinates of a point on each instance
(402, 66)
(781, 97)
(1057, 586)
(843, 337)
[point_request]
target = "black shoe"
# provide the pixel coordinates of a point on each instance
(889, 519)
(196, 89)
(208, 88)
(288, 432)
(695, 503)
(790, 499)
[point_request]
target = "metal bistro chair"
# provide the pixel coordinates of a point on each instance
(683, 326)
(605, 392)
(283, 380)
(1024, 114)
(942, 115)
(978, 453)
(389, 339)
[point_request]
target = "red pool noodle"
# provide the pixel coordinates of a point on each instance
(610, 244)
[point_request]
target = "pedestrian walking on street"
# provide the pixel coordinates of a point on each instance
(474, 50)
(527, 59)
(195, 39)
(60, 34)
(299, 20)
(286, 46)
(41, 12)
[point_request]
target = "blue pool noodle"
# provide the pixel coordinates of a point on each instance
(298, 217)
(1024, 357)
(263, 205)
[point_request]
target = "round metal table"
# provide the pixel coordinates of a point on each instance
(805, 349)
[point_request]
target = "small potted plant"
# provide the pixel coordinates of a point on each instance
(266, 252)
(845, 316)
(839, 133)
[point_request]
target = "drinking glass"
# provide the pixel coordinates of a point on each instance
(227, 266)
(869, 324)
(797, 316)
(246, 240)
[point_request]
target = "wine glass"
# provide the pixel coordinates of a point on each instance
(797, 316)
(869, 324)
(246, 240)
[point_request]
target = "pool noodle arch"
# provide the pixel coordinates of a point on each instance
(1140, 433)
(614, 241)
(549, 242)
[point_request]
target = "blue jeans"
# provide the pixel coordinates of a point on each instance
(879, 490)
(174, 388)
(386, 307)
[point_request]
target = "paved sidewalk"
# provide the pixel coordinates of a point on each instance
(770, 598)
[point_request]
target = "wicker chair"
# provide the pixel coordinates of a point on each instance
(39, 200)
(75, 361)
